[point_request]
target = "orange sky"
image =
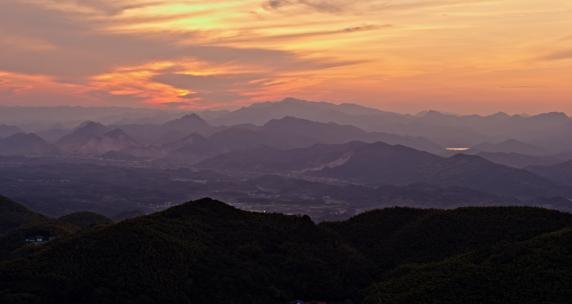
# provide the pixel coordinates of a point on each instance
(465, 56)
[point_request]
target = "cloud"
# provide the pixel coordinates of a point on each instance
(560, 55)
(107, 7)
(111, 67)
(206, 82)
(214, 88)
(330, 6)
(351, 6)
(80, 47)
(304, 35)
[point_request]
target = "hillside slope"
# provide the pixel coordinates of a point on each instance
(208, 252)
(533, 271)
(201, 252)
(14, 215)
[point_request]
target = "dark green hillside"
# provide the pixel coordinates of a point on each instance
(209, 252)
(23, 241)
(19, 226)
(529, 272)
(400, 235)
(85, 219)
(201, 252)
(14, 215)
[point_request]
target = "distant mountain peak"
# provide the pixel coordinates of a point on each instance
(322, 111)
(90, 125)
(83, 133)
(6, 130)
(192, 116)
(24, 136)
(288, 118)
(432, 114)
(190, 120)
(25, 144)
(202, 207)
(116, 133)
(297, 123)
(500, 115)
(558, 116)
(293, 100)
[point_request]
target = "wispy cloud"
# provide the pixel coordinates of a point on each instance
(559, 55)
(319, 5)
(69, 47)
(348, 6)
(82, 49)
(306, 35)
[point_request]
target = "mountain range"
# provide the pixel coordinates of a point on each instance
(324, 158)
(549, 131)
(285, 133)
(561, 172)
(521, 161)
(26, 144)
(292, 123)
(383, 164)
(509, 146)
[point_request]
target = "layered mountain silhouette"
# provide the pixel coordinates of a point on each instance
(6, 130)
(262, 113)
(273, 160)
(26, 144)
(383, 164)
(82, 135)
(510, 146)
(170, 131)
(292, 123)
(521, 161)
(208, 252)
(93, 138)
(548, 131)
(282, 144)
(295, 132)
(285, 133)
(111, 141)
(561, 172)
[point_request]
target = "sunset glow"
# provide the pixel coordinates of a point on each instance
(464, 56)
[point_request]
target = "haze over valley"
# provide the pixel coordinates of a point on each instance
(327, 160)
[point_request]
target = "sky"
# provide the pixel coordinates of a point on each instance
(463, 56)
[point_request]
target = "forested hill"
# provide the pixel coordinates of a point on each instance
(533, 271)
(208, 252)
(22, 230)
